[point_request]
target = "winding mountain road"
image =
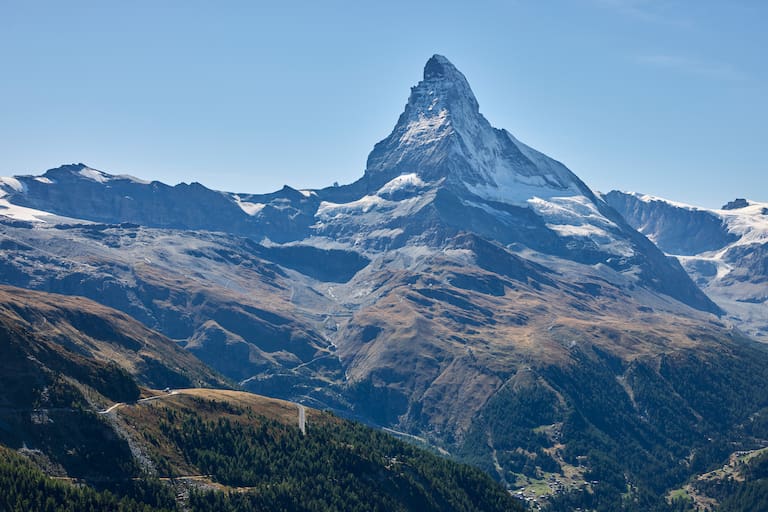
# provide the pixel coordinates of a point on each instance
(120, 404)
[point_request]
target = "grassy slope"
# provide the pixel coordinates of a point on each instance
(74, 332)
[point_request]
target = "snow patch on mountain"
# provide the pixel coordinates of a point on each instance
(405, 182)
(94, 175)
(577, 216)
(15, 212)
(749, 223)
(22, 213)
(101, 177)
(11, 211)
(379, 207)
(332, 211)
(133, 179)
(517, 190)
(248, 207)
(385, 209)
(11, 183)
(426, 129)
(495, 212)
(721, 267)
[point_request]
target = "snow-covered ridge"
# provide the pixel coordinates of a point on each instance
(381, 200)
(749, 223)
(78, 170)
(134, 179)
(386, 208)
(724, 250)
(647, 198)
(103, 177)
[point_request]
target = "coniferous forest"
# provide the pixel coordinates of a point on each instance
(255, 463)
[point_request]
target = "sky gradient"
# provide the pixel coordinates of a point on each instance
(662, 97)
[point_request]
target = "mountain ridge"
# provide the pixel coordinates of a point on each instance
(724, 250)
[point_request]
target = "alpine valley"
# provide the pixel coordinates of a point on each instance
(467, 293)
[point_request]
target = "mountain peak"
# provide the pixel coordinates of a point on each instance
(438, 67)
(444, 89)
(442, 135)
(441, 113)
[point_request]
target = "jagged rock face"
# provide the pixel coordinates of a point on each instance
(442, 135)
(725, 251)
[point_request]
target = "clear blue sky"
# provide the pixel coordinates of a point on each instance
(663, 97)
